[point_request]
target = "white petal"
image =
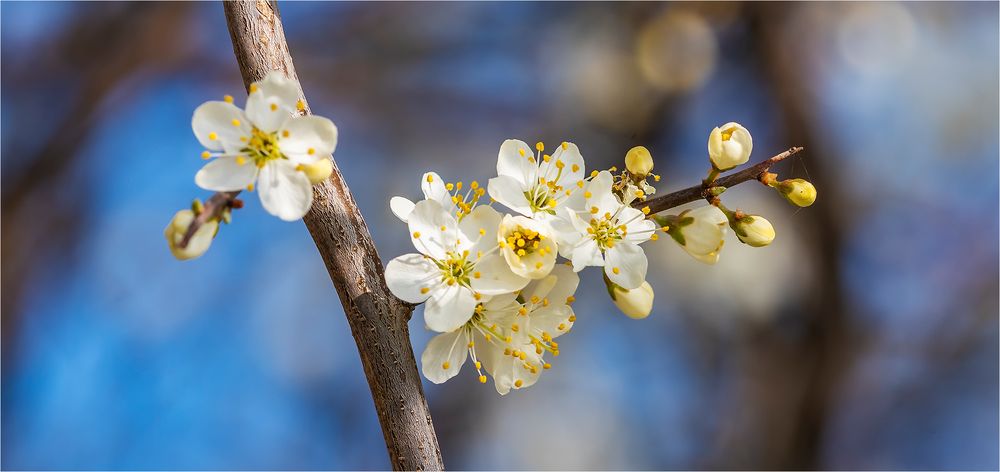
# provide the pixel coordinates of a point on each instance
(571, 159)
(434, 189)
(630, 262)
(513, 161)
(449, 307)
(553, 320)
(485, 220)
(586, 254)
(502, 304)
(273, 102)
(509, 192)
(448, 349)
(641, 230)
(433, 231)
(307, 133)
(284, 191)
(225, 174)
(408, 274)
(217, 117)
(507, 370)
(567, 280)
(496, 277)
(601, 195)
(401, 207)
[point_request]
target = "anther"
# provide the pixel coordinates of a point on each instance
(227, 98)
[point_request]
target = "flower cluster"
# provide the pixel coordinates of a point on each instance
(491, 279)
(492, 282)
(268, 146)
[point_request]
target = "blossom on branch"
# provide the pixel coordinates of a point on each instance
(267, 146)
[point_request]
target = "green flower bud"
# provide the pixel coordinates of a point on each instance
(198, 244)
(754, 230)
(636, 303)
(798, 191)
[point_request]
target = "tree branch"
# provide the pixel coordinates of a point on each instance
(378, 319)
(213, 209)
(698, 192)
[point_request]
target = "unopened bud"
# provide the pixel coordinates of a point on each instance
(729, 146)
(798, 191)
(199, 242)
(317, 171)
(636, 303)
(754, 230)
(638, 161)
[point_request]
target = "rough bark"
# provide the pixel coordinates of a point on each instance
(378, 320)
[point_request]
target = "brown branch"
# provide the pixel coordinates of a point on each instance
(698, 192)
(213, 209)
(378, 319)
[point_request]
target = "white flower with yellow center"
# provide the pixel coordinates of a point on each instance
(265, 147)
(508, 335)
(448, 194)
(527, 245)
(533, 183)
(729, 145)
(607, 234)
(458, 264)
(701, 232)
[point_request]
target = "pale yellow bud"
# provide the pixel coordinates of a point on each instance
(729, 146)
(638, 161)
(198, 244)
(636, 303)
(317, 171)
(754, 230)
(798, 191)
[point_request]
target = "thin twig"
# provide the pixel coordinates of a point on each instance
(699, 192)
(213, 209)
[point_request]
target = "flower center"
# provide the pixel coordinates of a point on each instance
(727, 134)
(605, 232)
(456, 268)
(525, 242)
(263, 147)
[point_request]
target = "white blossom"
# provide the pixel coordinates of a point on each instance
(267, 147)
(535, 184)
(458, 264)
(607, 233)
(729, 146)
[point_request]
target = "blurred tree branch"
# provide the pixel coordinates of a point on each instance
(378, 319)
(38, 222)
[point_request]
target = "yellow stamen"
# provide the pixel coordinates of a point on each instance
(228, 98)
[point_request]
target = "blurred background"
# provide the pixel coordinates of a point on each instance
(865, 337)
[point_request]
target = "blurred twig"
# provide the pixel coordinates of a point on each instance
(698, 192)
(378, 319)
